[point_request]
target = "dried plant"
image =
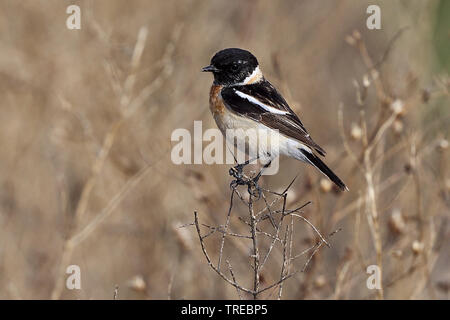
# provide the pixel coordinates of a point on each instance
(86, 176)
(279, 234)
(372, 157)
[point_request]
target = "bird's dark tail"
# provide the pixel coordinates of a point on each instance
(316, 162)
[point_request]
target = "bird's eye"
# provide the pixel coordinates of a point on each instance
(234, 67)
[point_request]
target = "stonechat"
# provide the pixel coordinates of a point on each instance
(241, 98)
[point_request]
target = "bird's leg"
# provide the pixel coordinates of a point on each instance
(253, 188)
(256, 178)
(237, 173)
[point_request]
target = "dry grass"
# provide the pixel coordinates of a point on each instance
(85, 124)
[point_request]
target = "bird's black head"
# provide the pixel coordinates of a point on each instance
(234, 66)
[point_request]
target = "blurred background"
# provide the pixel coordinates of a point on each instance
(86, 118)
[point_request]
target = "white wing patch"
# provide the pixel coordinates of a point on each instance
(259, 103)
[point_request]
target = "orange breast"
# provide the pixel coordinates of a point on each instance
(215, 101)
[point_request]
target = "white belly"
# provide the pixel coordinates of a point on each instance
(255, 139)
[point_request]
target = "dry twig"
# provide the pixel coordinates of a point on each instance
(258, 258)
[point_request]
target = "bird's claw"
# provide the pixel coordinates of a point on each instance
(254, 189)
(241, 180)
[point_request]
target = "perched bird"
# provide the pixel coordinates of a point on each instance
(241, 98)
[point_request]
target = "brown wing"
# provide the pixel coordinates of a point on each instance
(262, 102)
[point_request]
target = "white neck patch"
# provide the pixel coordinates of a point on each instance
(256, 76)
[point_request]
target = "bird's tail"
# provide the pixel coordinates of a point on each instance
(316, 162)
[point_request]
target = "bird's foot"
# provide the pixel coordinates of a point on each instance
(241, 179)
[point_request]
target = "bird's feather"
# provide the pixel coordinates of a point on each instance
(262, 102)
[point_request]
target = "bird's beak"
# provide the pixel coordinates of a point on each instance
(210, 68)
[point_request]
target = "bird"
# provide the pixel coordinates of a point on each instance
(242, 98)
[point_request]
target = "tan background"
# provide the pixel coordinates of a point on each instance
(63, 92)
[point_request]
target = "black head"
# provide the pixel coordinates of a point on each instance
(231, 66)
